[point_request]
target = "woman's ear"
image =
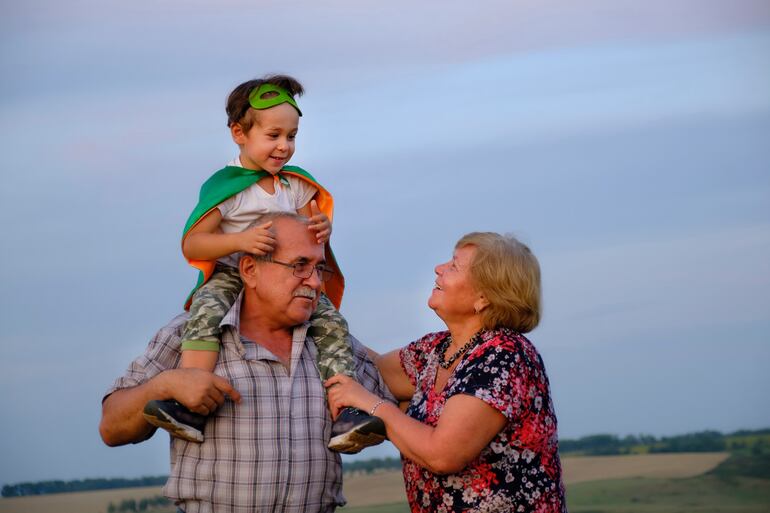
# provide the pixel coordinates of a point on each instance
(480, 303)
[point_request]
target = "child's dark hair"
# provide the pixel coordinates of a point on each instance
(238, 108)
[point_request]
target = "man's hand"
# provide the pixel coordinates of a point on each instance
(258, 240)
(199, 390)
(319, 223)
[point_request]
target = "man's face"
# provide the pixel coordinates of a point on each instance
(285, 299)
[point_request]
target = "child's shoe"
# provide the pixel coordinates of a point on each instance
(355, 430)
(176, 419)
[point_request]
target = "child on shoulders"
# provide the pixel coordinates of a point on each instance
(263, 118)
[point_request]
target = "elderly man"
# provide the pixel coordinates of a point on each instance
(265, 447)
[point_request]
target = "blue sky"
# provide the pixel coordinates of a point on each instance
(626, 142)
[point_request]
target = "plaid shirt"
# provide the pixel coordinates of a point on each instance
(268, 453)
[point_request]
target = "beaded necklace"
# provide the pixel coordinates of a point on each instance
(445, 364)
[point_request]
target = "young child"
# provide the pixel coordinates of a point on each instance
(263, 118)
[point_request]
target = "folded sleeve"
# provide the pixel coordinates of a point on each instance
(162, 353)
(301, 191)
(229, 204)
(414, 357)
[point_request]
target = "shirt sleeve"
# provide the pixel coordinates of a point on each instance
(367, 373)
(228, 205)
(415, 356)
(301, 191)
(162, 353)
(502, 375)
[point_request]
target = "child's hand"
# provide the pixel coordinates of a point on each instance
(258, 240)
(320, 224)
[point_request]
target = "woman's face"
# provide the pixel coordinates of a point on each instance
(454, 295)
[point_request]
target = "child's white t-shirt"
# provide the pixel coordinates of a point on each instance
(247, 206)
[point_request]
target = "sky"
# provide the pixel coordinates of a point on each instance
(626, 142)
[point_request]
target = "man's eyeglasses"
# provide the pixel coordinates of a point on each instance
(304, 269)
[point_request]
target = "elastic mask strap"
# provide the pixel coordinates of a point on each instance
(258, 101)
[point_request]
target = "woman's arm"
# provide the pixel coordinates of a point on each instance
(205, 240)
(465, 428)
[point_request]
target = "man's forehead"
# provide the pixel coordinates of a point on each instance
(295, 241)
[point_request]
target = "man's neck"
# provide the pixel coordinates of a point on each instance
(276, 339)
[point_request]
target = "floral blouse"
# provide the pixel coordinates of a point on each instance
(519, 471)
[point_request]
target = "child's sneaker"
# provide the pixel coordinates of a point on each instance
(176, 419)
(355, 430)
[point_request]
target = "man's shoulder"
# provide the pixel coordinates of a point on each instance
(173, 329)
(359, 350)
(367, 372)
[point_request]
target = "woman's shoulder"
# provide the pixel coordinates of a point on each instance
(428, 342)
(415, 355)
(505, 343)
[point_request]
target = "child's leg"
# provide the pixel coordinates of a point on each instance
(198, 359)
(200, 349)
(353, 430)
(329, 330)
(210, 303)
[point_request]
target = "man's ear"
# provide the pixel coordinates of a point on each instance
(249, 270)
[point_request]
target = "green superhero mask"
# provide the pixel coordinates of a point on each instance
(258, 100)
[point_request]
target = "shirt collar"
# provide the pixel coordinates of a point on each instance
(232, 319)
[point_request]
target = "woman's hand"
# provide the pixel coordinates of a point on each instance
(345, 391)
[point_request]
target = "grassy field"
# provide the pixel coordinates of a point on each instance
(652, 483)
(702, 494)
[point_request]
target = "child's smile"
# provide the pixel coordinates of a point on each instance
(269, 144)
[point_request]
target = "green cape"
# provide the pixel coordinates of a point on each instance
(230, 181)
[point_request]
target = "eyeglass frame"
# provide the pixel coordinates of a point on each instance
(324, 272)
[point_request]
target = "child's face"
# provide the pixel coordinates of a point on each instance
(269, 144)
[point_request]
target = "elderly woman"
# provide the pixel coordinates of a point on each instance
(479, 433)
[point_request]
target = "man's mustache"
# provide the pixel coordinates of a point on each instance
(305, 292)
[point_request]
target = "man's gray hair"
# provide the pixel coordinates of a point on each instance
(272, 216)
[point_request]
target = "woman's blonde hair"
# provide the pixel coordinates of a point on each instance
(506, 272)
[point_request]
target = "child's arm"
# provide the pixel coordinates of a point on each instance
(205, 240)
(319, 222)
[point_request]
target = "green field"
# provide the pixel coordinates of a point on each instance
(741, 484)
(629, 484)
(704, 494)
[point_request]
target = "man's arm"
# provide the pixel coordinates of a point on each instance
(122, 421)
(367, 372)
(200, 391)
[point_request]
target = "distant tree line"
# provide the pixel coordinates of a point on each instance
(601, 445)
(79, 485)
(744, 442)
